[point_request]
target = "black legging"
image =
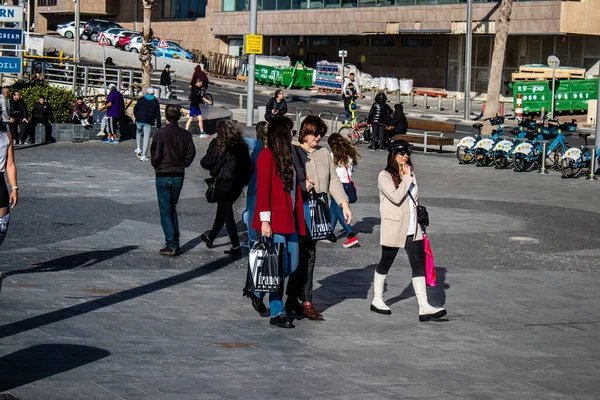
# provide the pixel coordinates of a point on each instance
(225, 217)
(378, 132)
(416, 257)
(300, 283)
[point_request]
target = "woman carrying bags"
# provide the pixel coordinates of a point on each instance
(344, 156)
(316, 172)
(398, 200)
(279, 210)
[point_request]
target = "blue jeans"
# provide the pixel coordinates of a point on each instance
(167, 192)
(336, 214)
(290, 260)
(249, 215)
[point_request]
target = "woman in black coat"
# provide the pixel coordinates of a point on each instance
(379, 119)
(276, 106)
(399, 124)
(228, 161)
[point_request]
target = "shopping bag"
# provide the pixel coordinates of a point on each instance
(265, 267)
(320, 219)
(430, 275)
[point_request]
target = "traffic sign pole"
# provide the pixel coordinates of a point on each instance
(162, 44)
(554, 62)
(102, 42)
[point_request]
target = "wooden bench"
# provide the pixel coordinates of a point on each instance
(434, 138)
(431, 125)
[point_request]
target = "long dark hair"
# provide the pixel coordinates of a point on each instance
(342, 150)
(279, 141)
(228, 134)
(393, 168)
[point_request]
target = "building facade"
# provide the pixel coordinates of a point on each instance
(419, 39)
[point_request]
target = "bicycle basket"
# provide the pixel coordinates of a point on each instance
(497, 120)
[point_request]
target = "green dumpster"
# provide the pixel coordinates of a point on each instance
(570, 95)
(262, 73)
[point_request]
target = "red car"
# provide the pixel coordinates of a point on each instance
(124, 40)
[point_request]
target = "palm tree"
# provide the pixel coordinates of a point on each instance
(147, 50)
(495, 82)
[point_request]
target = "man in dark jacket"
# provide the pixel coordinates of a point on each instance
(165, 82)
(172, 151)
(379, 118)
(276, 106)
(146, 112)
(42, 114)
(81, 113)
(399, 124)
(17, 113)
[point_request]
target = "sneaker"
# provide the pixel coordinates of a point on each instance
(351, 242)
(138, 152)
(101, 134)
(167, 251)
(144, 159)
(106, 141)
(115, 141)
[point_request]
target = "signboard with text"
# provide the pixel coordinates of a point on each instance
(253, 44)
(11, 36)
(10, 65)
(11, 13)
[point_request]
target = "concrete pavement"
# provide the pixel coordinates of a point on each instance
(91, 311)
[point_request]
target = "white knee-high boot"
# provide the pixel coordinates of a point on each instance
(378, 304)
(426, 311)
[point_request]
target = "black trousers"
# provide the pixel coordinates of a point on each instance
(225, 217)
(33, 123)
(18, 130)
(416, 257)
(300, 283)
(378, 136)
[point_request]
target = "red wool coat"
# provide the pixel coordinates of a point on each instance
(271, 196)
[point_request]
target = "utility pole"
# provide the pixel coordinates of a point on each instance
(76, 31)
(597, 139)
(135, 15)
(251, 66)
(468, 51)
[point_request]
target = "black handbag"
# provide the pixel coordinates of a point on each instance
(265, 267)
(422, 214)
(350, 189)
(212, 182)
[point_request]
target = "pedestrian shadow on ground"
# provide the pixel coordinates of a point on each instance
(42, 361)
(366, 225)
(436, 295)
(38, 321)
(190, 245)
(85, 259)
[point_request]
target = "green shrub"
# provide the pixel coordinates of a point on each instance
(59, 99)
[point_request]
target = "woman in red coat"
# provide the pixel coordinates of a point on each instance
(279, 208)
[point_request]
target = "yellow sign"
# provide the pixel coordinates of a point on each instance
(363, 58)
(254, 44)
(301, 52)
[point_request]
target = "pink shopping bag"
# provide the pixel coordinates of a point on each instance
(430, 274)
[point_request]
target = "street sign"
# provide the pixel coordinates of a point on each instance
(103, 40)
(11, 14)
(11, 36)
(343, 53)
(162, 43)
(253, 44)
(11, 65)
(553, 61)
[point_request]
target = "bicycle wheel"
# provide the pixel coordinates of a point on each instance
(464, 155)
(569, 168)
(209, 97)
(349, 134)
(502, 159)
(553, 157)
(482, 158)
(523, 163)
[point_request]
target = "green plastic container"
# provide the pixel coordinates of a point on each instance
(288, 77)
(570, 95)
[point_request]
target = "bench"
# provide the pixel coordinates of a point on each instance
(430, 125)
(435, 138)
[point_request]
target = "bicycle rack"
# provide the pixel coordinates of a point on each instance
(333, 121)
(299, 116)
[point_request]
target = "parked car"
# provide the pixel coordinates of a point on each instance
(68, 30)
(123, 42)
(94, 26)
(135, 45)
(112, 34)
(173, 51)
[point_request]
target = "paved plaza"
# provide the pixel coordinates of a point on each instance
(89, 310)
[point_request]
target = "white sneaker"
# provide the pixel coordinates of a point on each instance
(101, 134)
(138, 152)
(144, 159)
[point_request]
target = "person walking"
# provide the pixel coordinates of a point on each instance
(42, 114)
(398, 125)
(114, 111)
(279, 212)
(172, 151)
(165, 82)
(196, 99)
(81, 113)
(316, 171)
(379, 118)
(8, 199)
(5, 108)
(228, 160)
(259, 144)
(349, 95)
(146, 112)
(276, 106)
(344, 156)
(17, 113)
(398, 200)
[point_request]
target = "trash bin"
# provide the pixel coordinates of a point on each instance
(570, 95)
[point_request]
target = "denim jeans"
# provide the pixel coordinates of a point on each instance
(167, 192)
(249, 215)
(143, 129)
(336, 214)
(290, 260)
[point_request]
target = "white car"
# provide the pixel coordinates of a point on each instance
(135, 45)
(112, 34)
(68, 30)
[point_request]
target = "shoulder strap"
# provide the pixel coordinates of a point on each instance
(410, 195)
(302, 166)
(348, 173)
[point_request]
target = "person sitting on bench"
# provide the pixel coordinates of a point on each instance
(81, 113)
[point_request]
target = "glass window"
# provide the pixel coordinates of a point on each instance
(297, 4)
(416, 42)
(349, 3)
(512, 52)
(188, 8)
(315, 3)
(228, 5)
(349, 42)
(547, 48)
(482, 54)
(367, 3)
(385, 3)
(382, 42)
(284, 4)
(269, 5)
(405, 2)
(319, 41)
(289, 41)
(332, 3)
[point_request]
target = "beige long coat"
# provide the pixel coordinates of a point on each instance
(395, 210)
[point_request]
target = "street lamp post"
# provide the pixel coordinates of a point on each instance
(76, 30)
(251, 66)
(468, 51)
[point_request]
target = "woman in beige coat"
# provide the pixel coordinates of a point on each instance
(398, 198)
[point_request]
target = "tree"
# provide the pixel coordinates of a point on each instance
(147, 50)
(495, 82)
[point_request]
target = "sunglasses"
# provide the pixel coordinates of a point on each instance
(402, 152)
(318, 134)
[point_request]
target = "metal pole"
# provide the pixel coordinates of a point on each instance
(76, 31)
(104, 70)
(22, 46)
(135, 14)
(553, 90)
(343, 69)
(468, 50)
(597, 139)
(412, 98)
(543, 158)
(425, 101)
(593, 166)
(251, 66)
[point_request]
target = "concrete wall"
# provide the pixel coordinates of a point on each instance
(581, 17)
